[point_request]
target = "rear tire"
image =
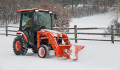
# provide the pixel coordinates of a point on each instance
(43, 51)
(20, 46)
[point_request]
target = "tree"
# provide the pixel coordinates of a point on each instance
(8, 10)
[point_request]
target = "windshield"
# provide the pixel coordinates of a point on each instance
(43, 19)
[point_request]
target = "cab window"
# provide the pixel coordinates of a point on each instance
(26, 21)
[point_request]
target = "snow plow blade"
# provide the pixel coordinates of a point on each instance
(74, 51)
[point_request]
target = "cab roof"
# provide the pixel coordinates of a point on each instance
(30, 10)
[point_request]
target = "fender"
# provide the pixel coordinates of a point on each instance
(21, 33)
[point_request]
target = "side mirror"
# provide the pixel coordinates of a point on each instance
(55, 16)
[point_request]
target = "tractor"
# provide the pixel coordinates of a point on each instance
(35, 32)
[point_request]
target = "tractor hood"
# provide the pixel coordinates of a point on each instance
(54, 33)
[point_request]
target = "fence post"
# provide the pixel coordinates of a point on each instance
(75, 30)
(112, 34)
(6, 28)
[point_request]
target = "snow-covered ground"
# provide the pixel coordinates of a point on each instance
(95, 55)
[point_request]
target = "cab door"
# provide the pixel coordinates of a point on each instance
(27, 26)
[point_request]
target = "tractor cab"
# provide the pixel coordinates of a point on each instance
(33, 20)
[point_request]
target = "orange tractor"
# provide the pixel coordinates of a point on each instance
(35, 31)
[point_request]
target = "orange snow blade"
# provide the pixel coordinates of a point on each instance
(74, 51)
(77, 49)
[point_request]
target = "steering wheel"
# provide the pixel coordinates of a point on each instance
(39, 27)
(26, 28)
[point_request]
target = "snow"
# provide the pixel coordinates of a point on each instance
(102, 20)
(95, 55)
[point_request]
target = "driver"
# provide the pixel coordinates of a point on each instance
(28, 24)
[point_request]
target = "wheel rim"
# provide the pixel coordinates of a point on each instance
(17, 45)
(41, 51)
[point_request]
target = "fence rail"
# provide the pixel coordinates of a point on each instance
(7, 30)
(94, 28)
(75, 33)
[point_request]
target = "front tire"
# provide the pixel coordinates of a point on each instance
(43, 51)
(20, 46)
